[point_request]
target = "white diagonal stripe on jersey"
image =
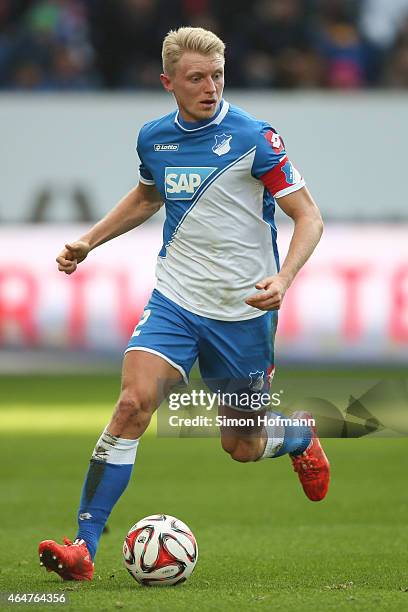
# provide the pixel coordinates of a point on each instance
(223, 246)
(204, 189)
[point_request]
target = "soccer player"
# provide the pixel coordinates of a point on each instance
(219, 172)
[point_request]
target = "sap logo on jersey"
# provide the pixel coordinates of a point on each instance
(183, 182)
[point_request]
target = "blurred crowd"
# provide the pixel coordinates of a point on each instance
(53, 45)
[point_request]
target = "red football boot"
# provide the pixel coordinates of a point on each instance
(71, 561)
(312, 465)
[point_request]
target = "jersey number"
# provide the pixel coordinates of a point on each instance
(142, 321)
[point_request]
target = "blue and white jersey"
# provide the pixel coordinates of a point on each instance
(218, 179)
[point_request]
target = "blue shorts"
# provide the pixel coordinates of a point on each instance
(232, 355)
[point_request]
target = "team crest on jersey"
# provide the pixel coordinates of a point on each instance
(256, 380)
(222, 144)
(182, 183)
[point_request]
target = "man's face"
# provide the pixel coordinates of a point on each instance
(197, 84)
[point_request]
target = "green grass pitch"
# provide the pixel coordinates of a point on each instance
(262, 544)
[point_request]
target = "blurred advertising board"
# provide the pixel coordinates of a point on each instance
(67, 158)
(348, 304)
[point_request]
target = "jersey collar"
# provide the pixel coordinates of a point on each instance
(194, 126)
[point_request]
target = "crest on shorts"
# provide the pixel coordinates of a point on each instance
(222, 144)
(256, 380)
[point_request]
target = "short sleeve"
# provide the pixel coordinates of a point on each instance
(145, 176)
(272, 166)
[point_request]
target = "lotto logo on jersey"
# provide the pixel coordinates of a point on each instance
(166, 147)
(275, 141)
(182, 183)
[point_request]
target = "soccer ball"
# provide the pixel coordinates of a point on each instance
(160, 550)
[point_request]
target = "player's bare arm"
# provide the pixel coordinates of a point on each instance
(132, 210)
(308, 229)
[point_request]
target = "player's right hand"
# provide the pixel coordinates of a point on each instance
(72, 255)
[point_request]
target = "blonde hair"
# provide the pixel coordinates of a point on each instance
(189, 39)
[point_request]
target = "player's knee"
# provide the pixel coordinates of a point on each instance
(134, 407)
(242, 455)
(242, 451)
(228, 444)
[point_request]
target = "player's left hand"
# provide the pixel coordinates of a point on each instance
(274, 289)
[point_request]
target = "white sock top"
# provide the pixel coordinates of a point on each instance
(111, 449)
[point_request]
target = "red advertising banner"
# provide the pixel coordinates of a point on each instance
(350, 302)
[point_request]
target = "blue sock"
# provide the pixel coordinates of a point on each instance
(296, 439)
(107, 478)
(283, 439)
(103, 486)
